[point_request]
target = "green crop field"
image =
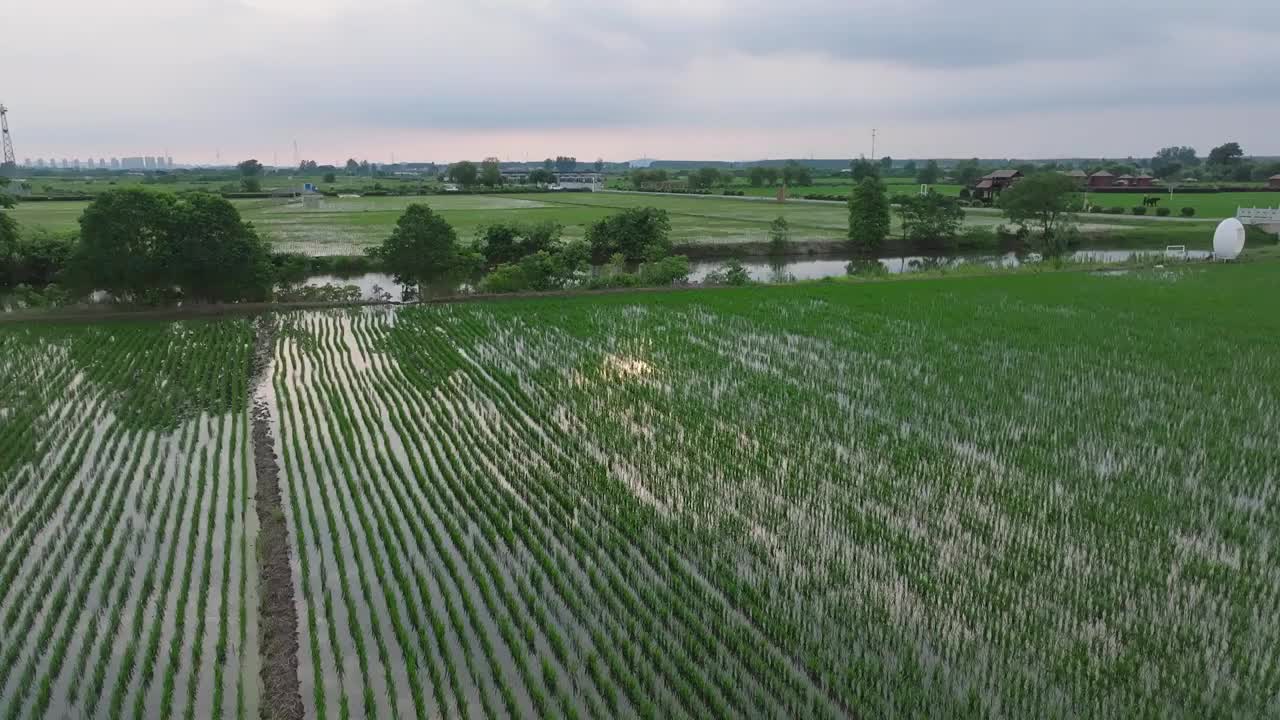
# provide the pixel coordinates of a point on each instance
(344, 226)
(127, 579)
(964, 498)
(1048, 495)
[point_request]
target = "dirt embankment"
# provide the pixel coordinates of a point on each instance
(278, 623)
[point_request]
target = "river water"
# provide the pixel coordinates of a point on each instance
(790, 269)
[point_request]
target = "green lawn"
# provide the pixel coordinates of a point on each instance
(1207, 205)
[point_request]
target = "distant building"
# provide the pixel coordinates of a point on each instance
(1101, 179)
(115, 163)
(131, 163)
(39, 162)
(641, 163)
(989, 186)
(168, 161)
(1079, 176)
(1273, 182)
(149, 162)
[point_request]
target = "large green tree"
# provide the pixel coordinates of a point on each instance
(422, 249)
(931, 220)
(704, 177)
(145, 246)
(929, 174)
(794, 173)
(1169, 161)
(126, 245)
(862, 169)
(968, 171)
(1041, 201)
(1226, 154)
(214, 255)
(8, 237)
(868, 217)
(464, 173)
(641, 233)
(490, 173)
(540, 176)
(250, 168)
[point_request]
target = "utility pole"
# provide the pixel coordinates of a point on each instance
(9, 162)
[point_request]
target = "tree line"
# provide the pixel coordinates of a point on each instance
(634, 246)
(146, 247)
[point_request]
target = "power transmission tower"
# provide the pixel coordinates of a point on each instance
(9, 161)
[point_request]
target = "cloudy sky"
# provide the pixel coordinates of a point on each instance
(704, 79)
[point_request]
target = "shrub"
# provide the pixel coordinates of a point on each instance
(1163, 211)
(733, 273)
(1188, 212)
(975, 237)
(1115, 211)
(1139, 210)
(865, 268)
(667, 271)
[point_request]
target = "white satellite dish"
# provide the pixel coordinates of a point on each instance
(1228, 239)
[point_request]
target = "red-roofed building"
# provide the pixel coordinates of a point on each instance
(1102, 178)
(991, 185)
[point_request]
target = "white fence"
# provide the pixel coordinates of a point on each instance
(1258, 216)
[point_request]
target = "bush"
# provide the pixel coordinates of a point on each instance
(1095, 209)
(1163, 211)
(865, 268)
(975, 238)
(1188, 212)
(1139, 210)
(508, 242)
(1115, 210)
(733, 273)
(667, 271)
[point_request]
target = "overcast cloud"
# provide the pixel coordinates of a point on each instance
(747, 79)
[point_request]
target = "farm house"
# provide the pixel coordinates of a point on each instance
(989, 186)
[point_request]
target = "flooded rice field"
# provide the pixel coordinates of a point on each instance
(957, 498)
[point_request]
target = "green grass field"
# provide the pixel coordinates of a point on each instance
(1029, 496)
(1207, 205)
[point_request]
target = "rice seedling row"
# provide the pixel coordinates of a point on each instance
(113, 439)
(1009, 497)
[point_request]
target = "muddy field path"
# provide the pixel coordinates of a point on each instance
(278, 624)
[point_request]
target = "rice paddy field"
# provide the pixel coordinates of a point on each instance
(1048, 495)
(347, 226)
(127, 579)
